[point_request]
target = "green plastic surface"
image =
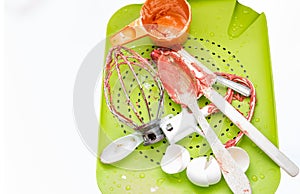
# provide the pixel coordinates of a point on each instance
(236, 37)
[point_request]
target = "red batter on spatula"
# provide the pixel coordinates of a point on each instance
(203, 80)
(200, 78)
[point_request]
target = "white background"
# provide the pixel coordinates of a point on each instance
(45, 43)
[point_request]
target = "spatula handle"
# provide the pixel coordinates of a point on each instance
(234, 176)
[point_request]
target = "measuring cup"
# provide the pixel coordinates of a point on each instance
(165, 22)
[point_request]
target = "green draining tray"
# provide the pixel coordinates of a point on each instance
(236, 37)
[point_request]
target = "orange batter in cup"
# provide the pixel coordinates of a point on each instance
(166, 22)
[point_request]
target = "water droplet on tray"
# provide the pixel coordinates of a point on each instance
(254, 178)
(262, 176)
(160, 181)
(128, 187)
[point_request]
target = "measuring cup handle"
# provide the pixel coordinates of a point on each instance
(129, 33)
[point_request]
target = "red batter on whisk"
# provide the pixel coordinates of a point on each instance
(122, 56)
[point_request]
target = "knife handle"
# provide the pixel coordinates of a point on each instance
(244, 90)
(252, 132)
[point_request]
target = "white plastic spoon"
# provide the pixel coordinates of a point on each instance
(121, 148)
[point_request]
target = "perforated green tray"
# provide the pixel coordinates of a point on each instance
(237, 39)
